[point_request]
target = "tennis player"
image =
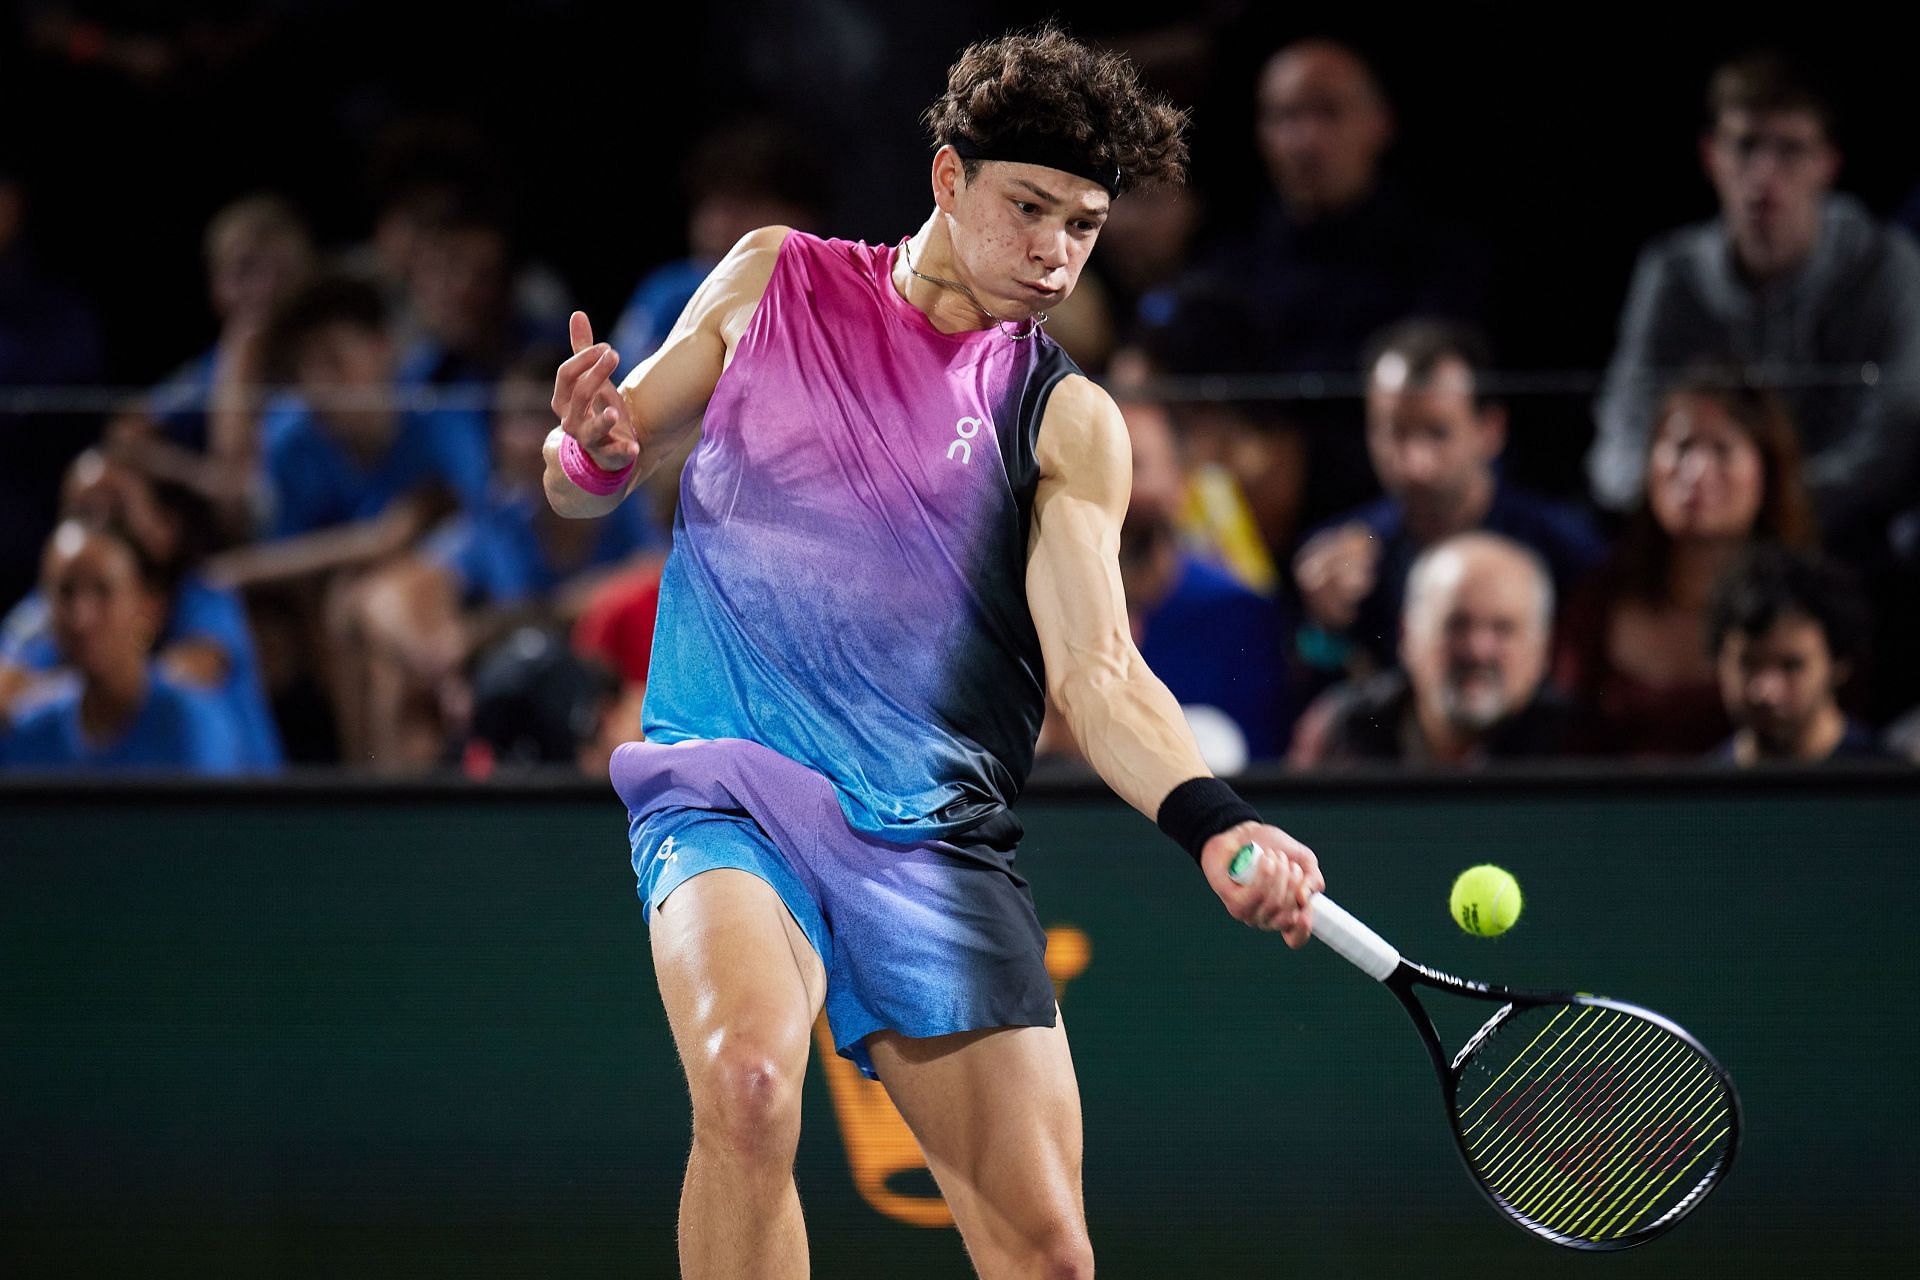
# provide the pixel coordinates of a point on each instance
(897, 534)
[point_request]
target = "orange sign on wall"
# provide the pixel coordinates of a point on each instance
(879, 1144)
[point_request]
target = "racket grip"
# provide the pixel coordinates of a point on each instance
(1360, 946)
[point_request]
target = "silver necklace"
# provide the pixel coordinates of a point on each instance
(1034, 321)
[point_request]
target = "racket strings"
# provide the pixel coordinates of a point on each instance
(1587, 1121)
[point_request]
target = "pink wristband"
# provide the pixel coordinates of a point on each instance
(588, 474)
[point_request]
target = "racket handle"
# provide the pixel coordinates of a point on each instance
(1360, 946)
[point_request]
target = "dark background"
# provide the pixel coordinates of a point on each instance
(1564, 136)
(377, 1032)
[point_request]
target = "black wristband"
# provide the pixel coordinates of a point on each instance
(1199, 809)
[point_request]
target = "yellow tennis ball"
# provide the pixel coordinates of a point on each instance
(1485, 900)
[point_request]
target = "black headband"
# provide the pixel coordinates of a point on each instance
(1050, 151)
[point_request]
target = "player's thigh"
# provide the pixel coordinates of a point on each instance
(742, 987)
(998, 1115)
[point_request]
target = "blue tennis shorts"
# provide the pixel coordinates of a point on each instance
(923, 939)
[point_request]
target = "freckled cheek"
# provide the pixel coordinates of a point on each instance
(996, 248)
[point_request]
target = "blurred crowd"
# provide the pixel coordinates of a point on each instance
(323, 539)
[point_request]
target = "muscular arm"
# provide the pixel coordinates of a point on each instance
(646, 416)
(1127, 724)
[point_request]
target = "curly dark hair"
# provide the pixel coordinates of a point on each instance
(1044, 82)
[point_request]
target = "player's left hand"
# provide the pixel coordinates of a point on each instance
(1285, 878)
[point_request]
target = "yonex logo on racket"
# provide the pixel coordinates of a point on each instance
(964, 430)
(1486, 1029)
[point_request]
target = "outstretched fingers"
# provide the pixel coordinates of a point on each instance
(581, 390)
(579, 331)
(584, 397)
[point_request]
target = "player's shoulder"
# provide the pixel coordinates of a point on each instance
(733, 289)
(1077, 401)
(762, 240)
(750, 263)
(1081, 429)
(813, 256)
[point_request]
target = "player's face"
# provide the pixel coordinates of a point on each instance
(1431, 445)
(103, 615)
(1776, 683)
(1022, 232)
(1705, 475)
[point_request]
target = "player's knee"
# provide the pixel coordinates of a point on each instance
(1065, 1254)
(747, 1102)
(1058, 1250)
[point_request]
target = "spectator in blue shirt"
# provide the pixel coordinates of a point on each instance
(460, 283)
(204, 641)
(1435, 439)
(748, 175)
(346, 449)
(120, 711)
(414, 624)
(426, 173)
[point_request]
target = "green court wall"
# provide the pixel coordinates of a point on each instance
(315, 1031)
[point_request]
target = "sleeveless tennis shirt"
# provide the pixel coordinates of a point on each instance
(847, 584)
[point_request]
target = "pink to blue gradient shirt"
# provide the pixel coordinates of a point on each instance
(847, 584)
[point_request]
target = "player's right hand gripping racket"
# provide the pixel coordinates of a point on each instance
(1592, 1123)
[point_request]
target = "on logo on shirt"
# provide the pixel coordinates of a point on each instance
(964, 431)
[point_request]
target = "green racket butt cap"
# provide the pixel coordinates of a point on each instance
(1240, 870)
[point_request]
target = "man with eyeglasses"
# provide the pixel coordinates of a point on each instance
(1794, 281)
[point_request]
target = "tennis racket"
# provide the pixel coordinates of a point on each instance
(1592, 1123)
